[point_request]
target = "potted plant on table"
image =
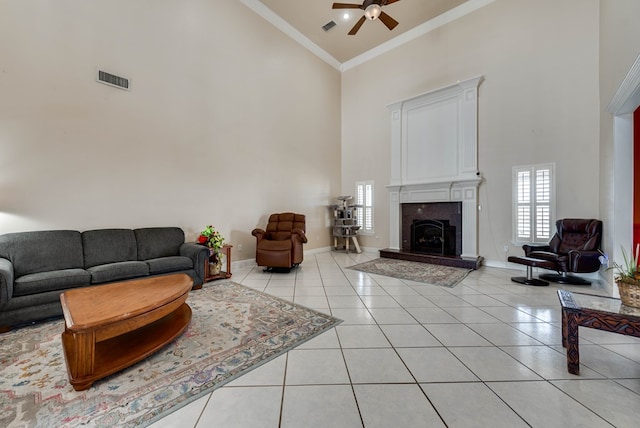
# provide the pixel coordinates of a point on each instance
(213, 239)
(627, 277)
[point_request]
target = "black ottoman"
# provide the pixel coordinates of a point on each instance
(530, 263)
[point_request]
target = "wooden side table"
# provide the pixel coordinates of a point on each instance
(208, 276)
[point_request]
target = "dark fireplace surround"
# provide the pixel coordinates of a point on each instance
(431, 232)
(433, 228)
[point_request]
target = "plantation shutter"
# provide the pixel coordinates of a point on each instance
(533, 202)
(364, 213)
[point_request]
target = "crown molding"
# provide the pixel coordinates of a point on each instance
(282, 25)
(437, 22)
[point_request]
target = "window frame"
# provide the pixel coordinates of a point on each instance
(363, 206)
(533, 203)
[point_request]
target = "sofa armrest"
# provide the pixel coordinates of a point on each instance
(199, 254)
(299, 234)
(6, 281)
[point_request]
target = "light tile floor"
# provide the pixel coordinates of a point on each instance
(486, 353)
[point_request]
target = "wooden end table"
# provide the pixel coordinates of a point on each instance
(208, 276)
(599, 312)
(110, 327)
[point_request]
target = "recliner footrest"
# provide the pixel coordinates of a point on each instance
(530, 263)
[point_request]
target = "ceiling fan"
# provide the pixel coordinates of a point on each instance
(372, 10)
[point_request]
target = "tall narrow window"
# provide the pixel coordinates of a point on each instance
(364, 212)
(533, 202)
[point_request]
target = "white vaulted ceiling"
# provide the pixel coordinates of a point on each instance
(303, 20)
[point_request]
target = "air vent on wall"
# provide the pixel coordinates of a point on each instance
(329, 25)
(113, 80)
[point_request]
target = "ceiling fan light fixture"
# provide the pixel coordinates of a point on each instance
(373, 11)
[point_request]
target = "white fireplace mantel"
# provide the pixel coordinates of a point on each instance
(434, 156)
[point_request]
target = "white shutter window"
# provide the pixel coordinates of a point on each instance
(524, 223)
(534, 202)
(523, 205)
(364, 211)
(359, 201)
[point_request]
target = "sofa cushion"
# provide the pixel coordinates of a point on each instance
(118, 271)
(49, 250)
(169, 264)
(156, 242)
(106, 246)
(35, 283)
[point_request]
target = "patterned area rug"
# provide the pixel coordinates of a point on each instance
(233, 329)
(414, 271)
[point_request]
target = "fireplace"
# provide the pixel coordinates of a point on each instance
(432, 232)
(432, 228)
(434, 159)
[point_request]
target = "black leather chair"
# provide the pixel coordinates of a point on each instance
(573, 249)
(279, 247)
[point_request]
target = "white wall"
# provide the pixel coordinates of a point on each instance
(539, 103)
(228, 119)
(619, 48)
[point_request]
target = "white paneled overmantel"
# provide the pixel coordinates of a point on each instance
(434, 156)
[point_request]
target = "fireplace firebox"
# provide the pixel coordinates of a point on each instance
(436, 237)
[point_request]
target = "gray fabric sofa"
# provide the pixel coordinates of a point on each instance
(36, 267)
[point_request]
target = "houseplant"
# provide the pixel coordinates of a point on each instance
(213, 239)
(627, 277)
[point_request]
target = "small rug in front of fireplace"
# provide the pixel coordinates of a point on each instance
(414, 271)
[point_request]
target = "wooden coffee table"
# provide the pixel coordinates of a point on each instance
(599, 312)
(110, 327)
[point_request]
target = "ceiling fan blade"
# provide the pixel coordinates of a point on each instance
(387, 20)
(356, 27)
(346, 6)
(391, 1)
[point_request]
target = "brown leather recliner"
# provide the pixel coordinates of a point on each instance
(280, 246)
(573, 249)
